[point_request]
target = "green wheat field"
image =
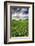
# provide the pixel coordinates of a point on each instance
(19, 28)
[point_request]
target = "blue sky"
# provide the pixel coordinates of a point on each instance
(20, 10)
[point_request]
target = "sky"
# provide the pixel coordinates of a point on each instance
(19, 12)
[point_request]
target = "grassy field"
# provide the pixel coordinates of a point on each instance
(19, 28)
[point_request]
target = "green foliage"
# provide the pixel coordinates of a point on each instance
(19, 28)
